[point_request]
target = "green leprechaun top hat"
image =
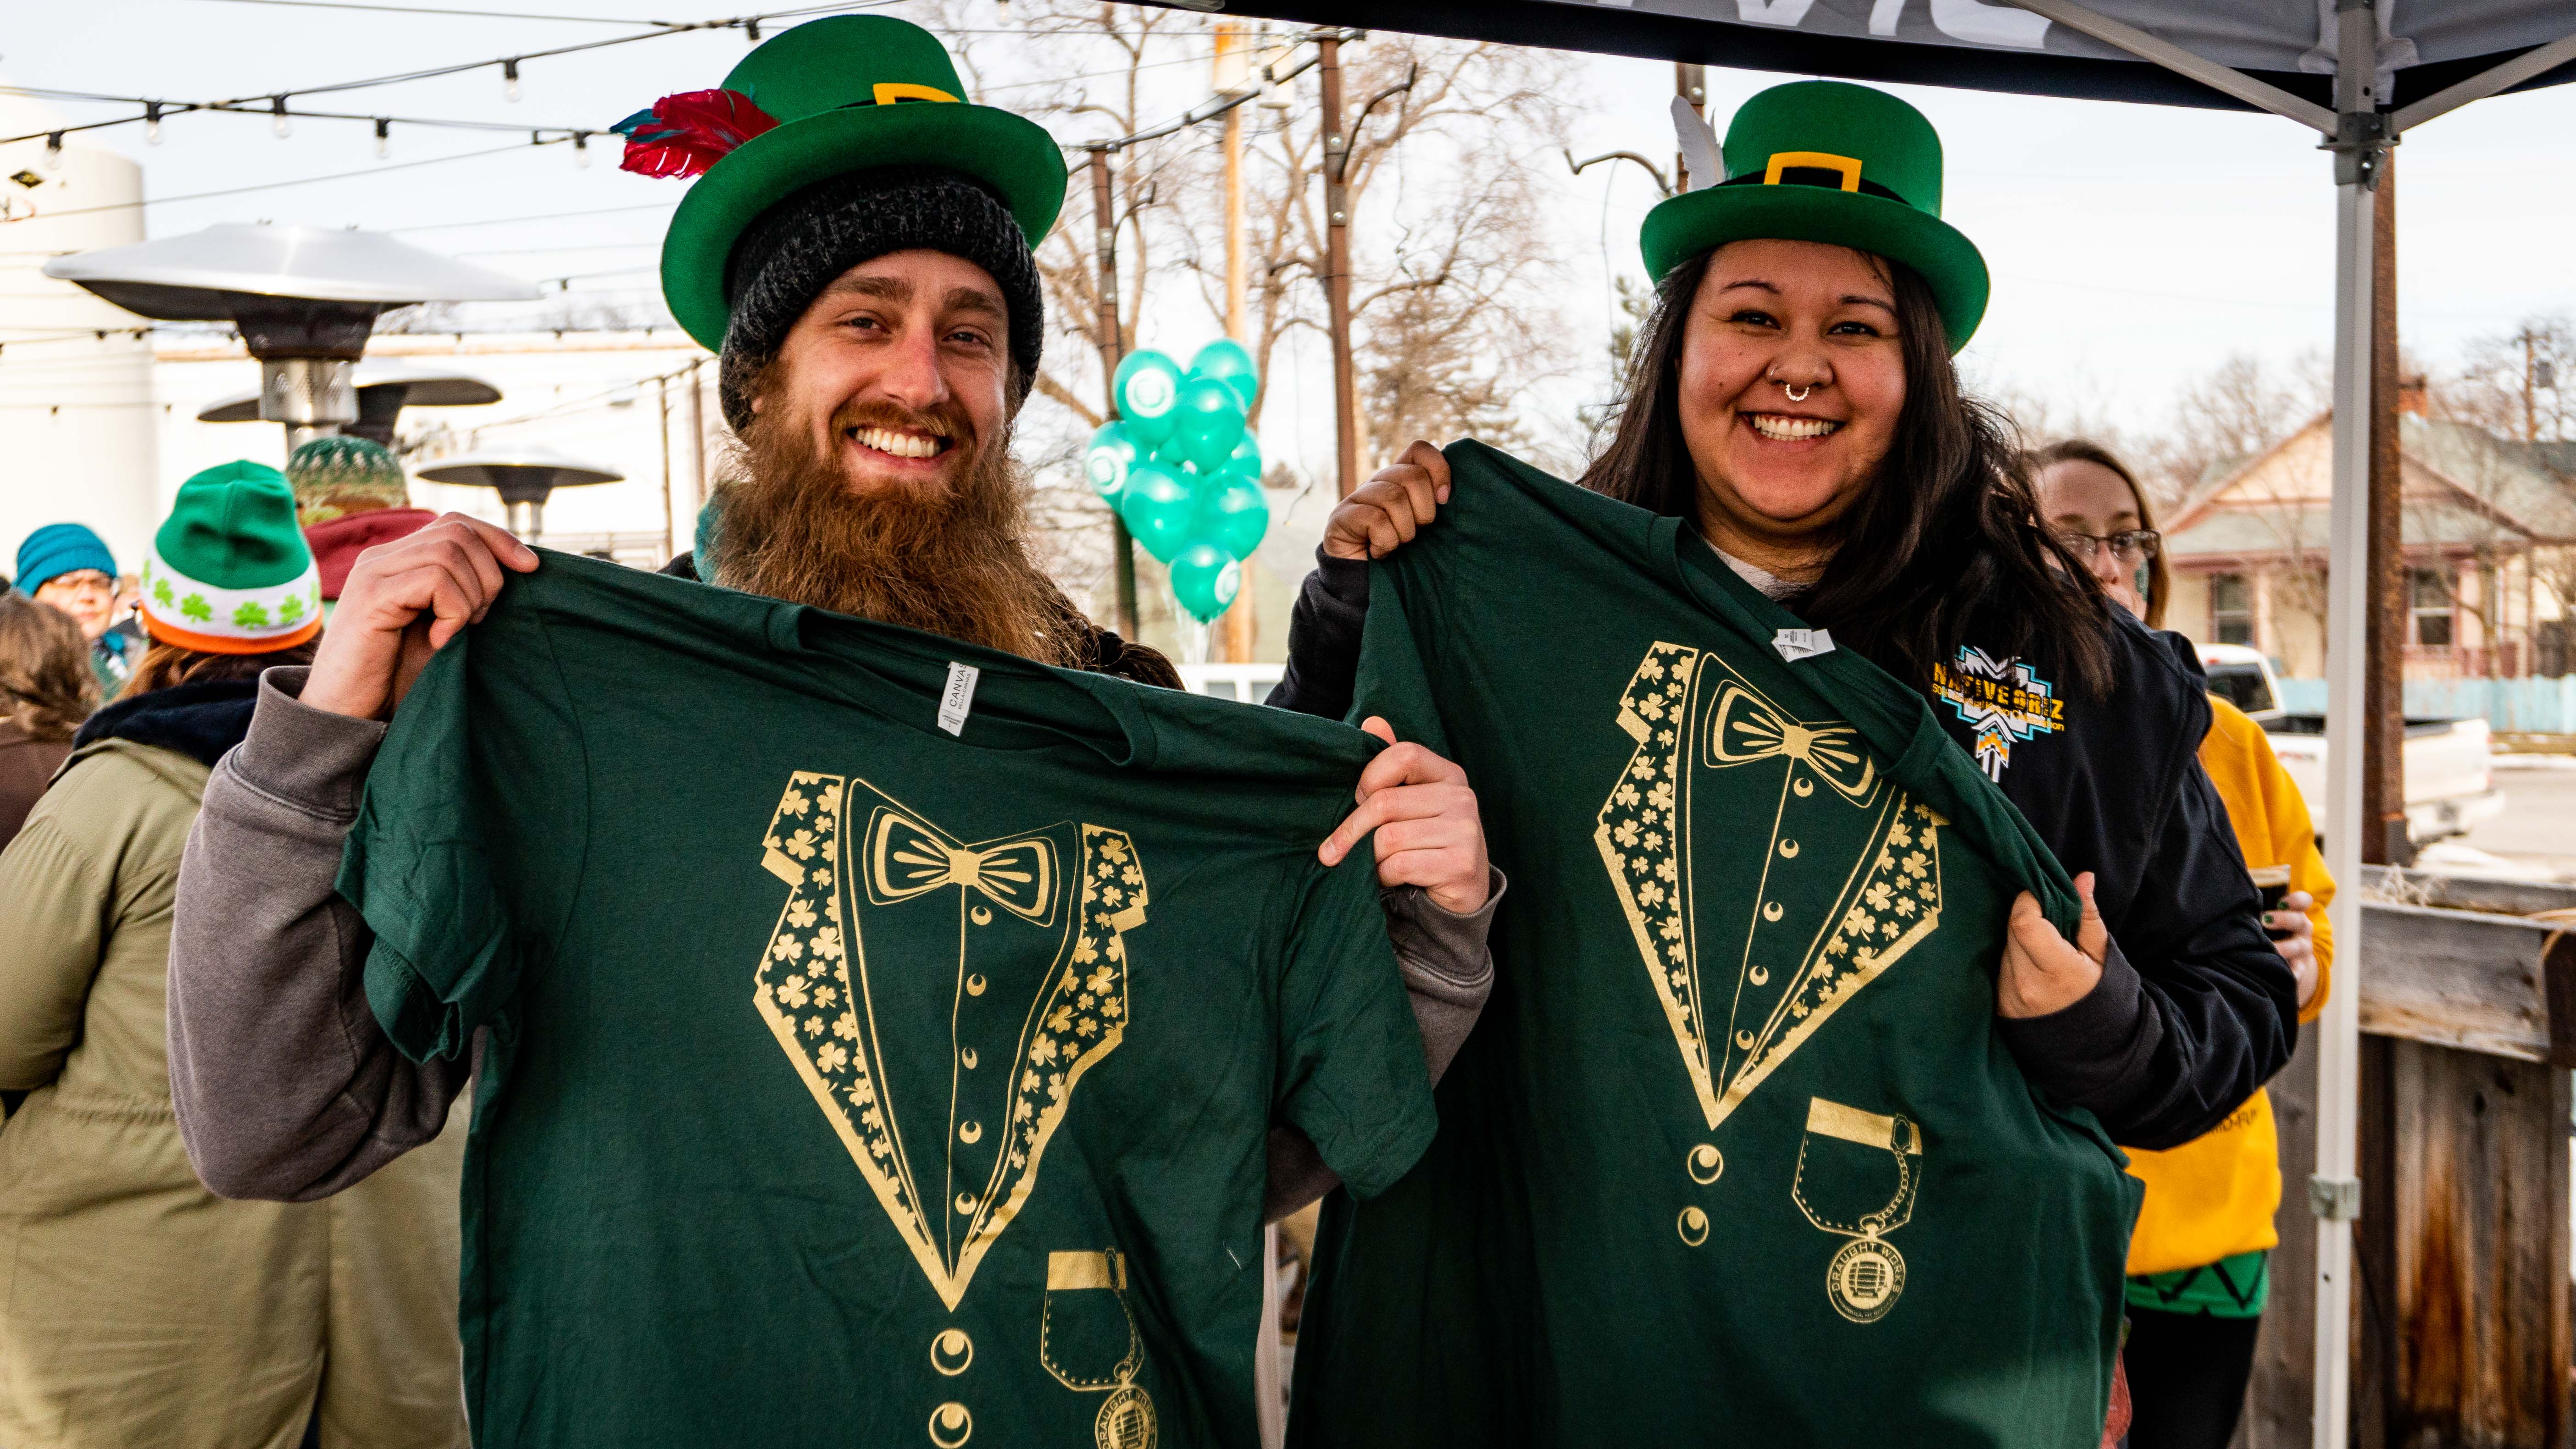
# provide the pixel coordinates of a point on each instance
(229, 571)
(829, 97)
(1824, 161)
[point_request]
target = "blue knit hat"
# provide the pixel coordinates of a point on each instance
(58, 549)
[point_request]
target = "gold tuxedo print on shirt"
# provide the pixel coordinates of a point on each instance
(942, 998)
(1768, 873)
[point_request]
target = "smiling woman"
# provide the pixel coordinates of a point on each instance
(1793, 422)
(1797, 401)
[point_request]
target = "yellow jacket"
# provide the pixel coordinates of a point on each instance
(2214, 1196)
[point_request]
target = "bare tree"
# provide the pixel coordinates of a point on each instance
(2520, 384)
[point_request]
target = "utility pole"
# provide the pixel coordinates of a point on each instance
(1337, 270)
(1690, 82)
(2530, 417)
(1233, 77)
(1113, 349)
(670, 514)
(697, 424)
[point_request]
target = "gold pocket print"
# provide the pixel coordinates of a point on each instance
(1076, 1336)
(1847, 1159)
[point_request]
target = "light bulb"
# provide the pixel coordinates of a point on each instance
(277, 118)
(581, 148)
(509, 80)
(54, 151)
(384, 137)
(152, 123)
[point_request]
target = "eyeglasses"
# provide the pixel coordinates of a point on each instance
(86, 582)
(2129, 545)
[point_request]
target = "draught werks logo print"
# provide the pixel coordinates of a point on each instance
(943, 1024)
(1767, 870)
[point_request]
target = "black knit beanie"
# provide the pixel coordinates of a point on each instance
(796, 248)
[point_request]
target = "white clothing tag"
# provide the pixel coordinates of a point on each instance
(1797, 644)
(959, 697)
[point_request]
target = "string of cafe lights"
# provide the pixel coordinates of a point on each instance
(277, 104)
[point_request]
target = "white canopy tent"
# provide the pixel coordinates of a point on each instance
(2360, 73)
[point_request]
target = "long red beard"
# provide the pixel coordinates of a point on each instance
(953, 561)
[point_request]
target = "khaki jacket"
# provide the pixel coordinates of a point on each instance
(136, 1307)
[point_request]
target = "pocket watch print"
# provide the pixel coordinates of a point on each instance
(1822, 876)
(1087, 1339)
(943, 1012)
(1858, 1174)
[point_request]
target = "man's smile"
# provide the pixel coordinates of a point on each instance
(907, 443)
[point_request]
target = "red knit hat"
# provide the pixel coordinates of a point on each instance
(337, 543)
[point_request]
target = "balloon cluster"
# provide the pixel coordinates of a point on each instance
(1182, 471)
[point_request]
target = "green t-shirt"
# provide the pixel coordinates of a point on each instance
(1735, 1155)
(852, 1082)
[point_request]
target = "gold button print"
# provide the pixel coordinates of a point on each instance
(951, 1352)
(1694, 1227)
(951, 1426)
(1705, 1164)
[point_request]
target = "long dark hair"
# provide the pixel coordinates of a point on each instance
(1945, 541)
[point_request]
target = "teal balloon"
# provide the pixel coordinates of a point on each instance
(1226, 361)
(1246, 459)
(1106, 462)
(1205, 580)
(1210, 423)
(1233, 515)
(1148, 390)
(1159, 508)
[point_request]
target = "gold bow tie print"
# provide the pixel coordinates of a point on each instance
(908, 857)
(1749, 729)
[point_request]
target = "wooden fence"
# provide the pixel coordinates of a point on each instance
(2461, 1316)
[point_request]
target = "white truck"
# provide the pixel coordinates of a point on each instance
(2448, 784)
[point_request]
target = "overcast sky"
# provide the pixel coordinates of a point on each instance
(2132, 246)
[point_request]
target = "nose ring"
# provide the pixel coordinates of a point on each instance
(1797, 394)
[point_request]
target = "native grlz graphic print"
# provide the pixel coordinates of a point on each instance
(1845, 880)
(2004, 701)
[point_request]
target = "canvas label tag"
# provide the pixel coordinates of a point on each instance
(959, 697)
(1797, 644)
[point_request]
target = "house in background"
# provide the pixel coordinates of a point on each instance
(2489, 541)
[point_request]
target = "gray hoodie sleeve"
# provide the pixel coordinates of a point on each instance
(285, 1087)
(1448, 973)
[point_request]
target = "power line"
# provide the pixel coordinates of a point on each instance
(537, 216)
(427, 10)
(176, 108)
(271, 185)
(154, 111)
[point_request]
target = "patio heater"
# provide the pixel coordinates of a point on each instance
(304, 299)
(384, 389)
(523, 477)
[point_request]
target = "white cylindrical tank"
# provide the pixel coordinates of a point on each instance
(79, 425)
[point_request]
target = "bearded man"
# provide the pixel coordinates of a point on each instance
(865, 272)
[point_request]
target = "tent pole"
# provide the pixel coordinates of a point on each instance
(2533, 62)
(2334, 1194)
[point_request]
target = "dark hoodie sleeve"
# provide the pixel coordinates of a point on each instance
(2195, 1009)
(1324, 639)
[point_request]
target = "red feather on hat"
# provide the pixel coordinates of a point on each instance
(683, 135)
